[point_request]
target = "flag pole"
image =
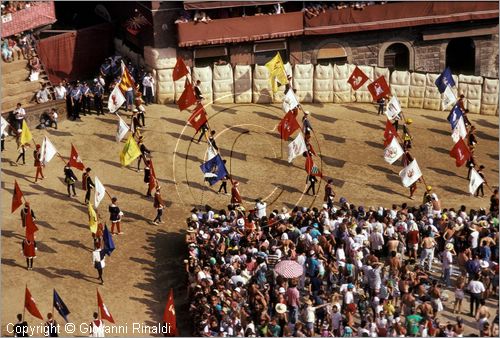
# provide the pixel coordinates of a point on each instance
(24, 308)
(53, 301)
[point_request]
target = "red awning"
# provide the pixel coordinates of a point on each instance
(397, 15)
(224, 4)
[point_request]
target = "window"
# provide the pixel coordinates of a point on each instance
(208, 56)
(265, 51)
(331, 53)
(397, 57)
(461, 56)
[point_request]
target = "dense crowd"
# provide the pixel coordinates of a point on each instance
(366, 271)
(14, 6)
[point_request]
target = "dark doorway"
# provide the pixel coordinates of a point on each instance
(461, 56)
(397, 57)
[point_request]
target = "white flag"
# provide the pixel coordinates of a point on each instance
(4, 125)
(449, 97)
(211, 153)
(459, 131)
(410, 174)
(122, 129)
(289, 101)
(475, 181)
(48, 151)
(99, 192)
(116, 99)
(296, 147)
(393, 108)
(393, 151)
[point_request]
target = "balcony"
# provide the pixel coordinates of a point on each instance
(398, 15)
(38, 15)
(248, 28)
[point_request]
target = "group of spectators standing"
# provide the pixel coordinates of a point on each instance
(366, 271)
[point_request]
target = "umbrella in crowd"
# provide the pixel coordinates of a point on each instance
(289, 269)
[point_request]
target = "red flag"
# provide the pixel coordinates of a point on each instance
(460, 152)
(127, 80)
(198, 118)
(379, 88)
(30, 305)
(288, 125)
(105, 314)
(311, 168)
(169, 315)
(188, 98)
(74, 159)
(389, 133)
(152, 176)
(17, 198)
(31, 227)
(357, 78)
(180, 69)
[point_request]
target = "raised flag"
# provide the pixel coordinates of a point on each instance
(379, 88)
(198, 118)
(31, 227)
(454, 116)
(74, 159)
(127, 80)
(130, 151)
(288, 125)
(289, 101)
(277, 73)
(187, 98)
(444, 80)
(459, 132)
(17, 197)
(122, 129)
(116, 99)
(26, 136)
(92, 219)
(214, 170)
(30, 305)
(311, 167)
(460, 152)
(410, 174)
(105, 314)
(475, 181)
(48, 151)
(99, 193)
(3, 125)
(169, 316)
(357, 78)
(180, 69)
(393, 108)
(109, 245)
(296, 148)
(59, 305)
(393, 151)
(389, 133)
(449, 97)
(211, 152)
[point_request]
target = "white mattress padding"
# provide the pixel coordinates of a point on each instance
(280, 94)
(489, 98)
(160, 58)
(242, 84)
(380, 71)
(362, 94)
(400, 85)
(223, 85)
(341, 89)
(204, 74)
(165, 90)
(323, 83)
(417, 90)
(471, 87)
(261, 90)
(303, 82)
(432, 97)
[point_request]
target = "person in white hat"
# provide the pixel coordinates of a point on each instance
(447, 259)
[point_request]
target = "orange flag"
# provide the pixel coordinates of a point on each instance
(180, 69)
(74, 159)
(17, 198)
(105, 314)
(169, 315)
(30, 305)
(152, 175)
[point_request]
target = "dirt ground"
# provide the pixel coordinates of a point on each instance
(148, 259)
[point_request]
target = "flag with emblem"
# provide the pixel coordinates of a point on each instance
(460, 152)
(26, 135)
(59, 305)
(444, 80)
(180, 69)
(74, 159)
(127, 81)
(130, 151)
(357, 78)
(393, 151)
(169, 316)
(31, 227)
(105, 314)
(389, 133)
(410, 174)
(379, 88)
(296, 148)
(48, 151)
(459, 132)
(289, 101)
(311, 167)
(393, 108)
(187, 98)
(30, 304)
(214, 169)
(454, 116)
(449, 97)
(17, 197)
(198, 118)
(122, 130)
(277, 73)
(92, 219)
(475, 181)
(100, 191)
(116, 99)
(288, 125)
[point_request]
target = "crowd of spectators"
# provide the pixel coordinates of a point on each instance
(14, 6)
(366, 271)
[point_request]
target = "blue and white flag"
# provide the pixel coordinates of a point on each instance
(214, 170)
(59, 305)
(455, 115)
(445, 79)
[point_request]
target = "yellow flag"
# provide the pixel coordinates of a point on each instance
(127, 80)
(92, 219)
(26, 136)
(130, 152)
(277, 72)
